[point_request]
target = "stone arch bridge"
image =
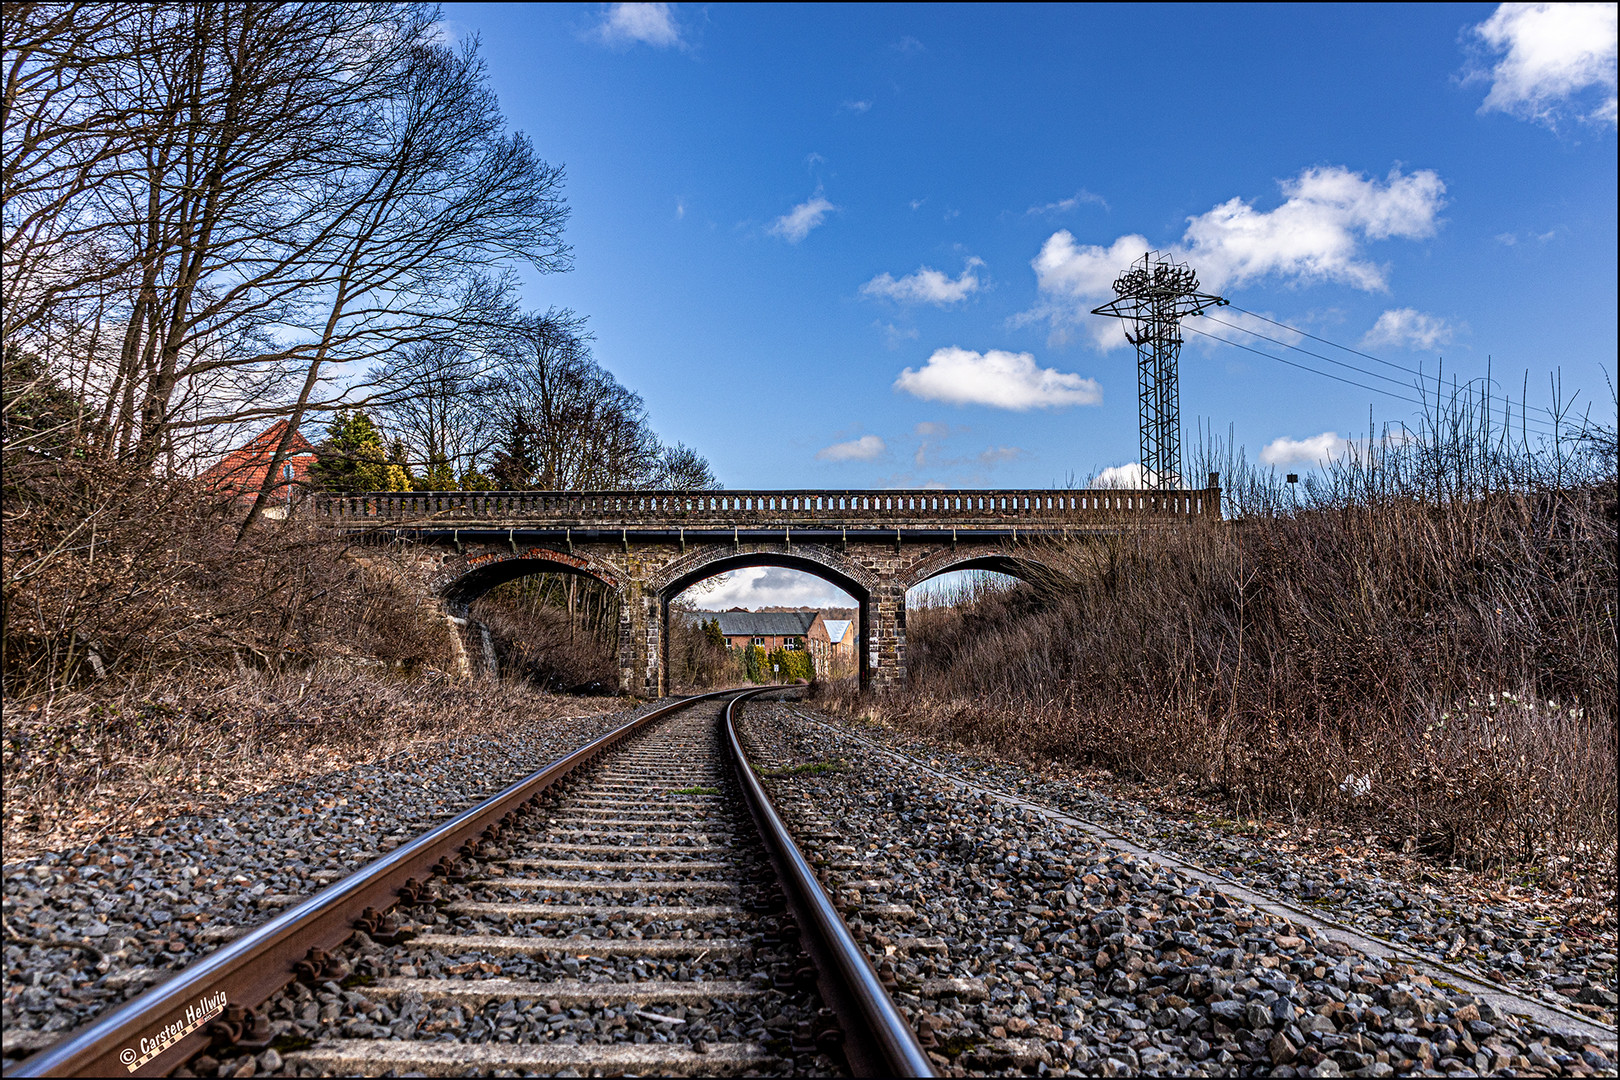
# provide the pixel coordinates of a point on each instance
(650, 546)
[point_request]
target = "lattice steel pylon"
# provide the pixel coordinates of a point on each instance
(1153, 296)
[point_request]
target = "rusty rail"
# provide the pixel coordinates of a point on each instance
(169, 1024)
(216, 997)
(877, 1039)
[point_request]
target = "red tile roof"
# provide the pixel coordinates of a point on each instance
(242, 471)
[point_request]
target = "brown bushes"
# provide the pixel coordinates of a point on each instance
(1445, 670)
(117, 576)
(698, 656)
(539, 641)
(83, 762)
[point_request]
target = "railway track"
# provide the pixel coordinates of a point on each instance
(637, 907)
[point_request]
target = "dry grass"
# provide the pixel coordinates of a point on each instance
(84, 763)
(546, 647)
(1440, 668)
(112, 576)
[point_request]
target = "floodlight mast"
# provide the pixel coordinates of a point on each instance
(1152, 297)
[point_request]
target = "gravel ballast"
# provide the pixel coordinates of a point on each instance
(89, 927)
(1070, 956)
(1549, 946)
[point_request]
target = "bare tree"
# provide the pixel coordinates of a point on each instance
(583, 428)
(443, 191)
(681, 468)
(437, 400)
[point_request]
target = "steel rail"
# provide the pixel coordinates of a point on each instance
(877, 1039)
(154, 1033)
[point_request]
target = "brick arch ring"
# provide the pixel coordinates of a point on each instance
(999, 560)
(818, 560)
(464, 578)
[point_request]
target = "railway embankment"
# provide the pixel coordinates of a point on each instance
(977, 883)
(110, 887)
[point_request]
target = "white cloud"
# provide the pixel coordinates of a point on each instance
(1073, 278)
(896, 336)
(1316, 234)
(1314, 450)
(857, 106)
(865, 448)
(1063, 206)
(772, 586)
(1122, 476)
(1510, 239)
(997, 378)
(1000, 455)
(650, 24)
(926, 286)
(1409, 328)
(796, 224)
(929, 429)
(1548, 55)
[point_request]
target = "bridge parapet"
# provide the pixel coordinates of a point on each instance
(1026, 508)
(648, 546)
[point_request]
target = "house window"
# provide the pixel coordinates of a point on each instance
(793, 643)
(756, 641)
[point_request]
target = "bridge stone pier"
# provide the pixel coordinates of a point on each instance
(650, 546)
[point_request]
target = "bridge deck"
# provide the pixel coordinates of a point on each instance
(1031, 509)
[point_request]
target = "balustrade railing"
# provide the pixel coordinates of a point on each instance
(826, 509)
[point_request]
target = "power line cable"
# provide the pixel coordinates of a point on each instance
(1302, 367)
(1314, 371)
(1544, 426)
(1319, 356)
(1325, 341)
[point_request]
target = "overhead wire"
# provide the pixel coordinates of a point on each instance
(1542, 426)
(1302, 367)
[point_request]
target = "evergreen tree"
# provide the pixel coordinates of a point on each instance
(40, 413)
(473, 480)
(353, 459)
(514, 466)
(397, 455)
(439, 476)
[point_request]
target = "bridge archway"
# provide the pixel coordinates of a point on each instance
(817, 560)
(1021, 565)
(459, 580)
(463, 579)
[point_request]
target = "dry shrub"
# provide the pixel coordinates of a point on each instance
(546, 646)
(85, 762)
(115, 575)
(1441, 668)
(697, 659)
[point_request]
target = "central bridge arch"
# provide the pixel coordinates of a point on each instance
(824, 561)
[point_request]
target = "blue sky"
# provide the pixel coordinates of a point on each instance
(854, 246)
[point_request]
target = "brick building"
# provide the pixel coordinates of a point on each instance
(241, 472)
(768, 629)
(831, 642)
(833, 647)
